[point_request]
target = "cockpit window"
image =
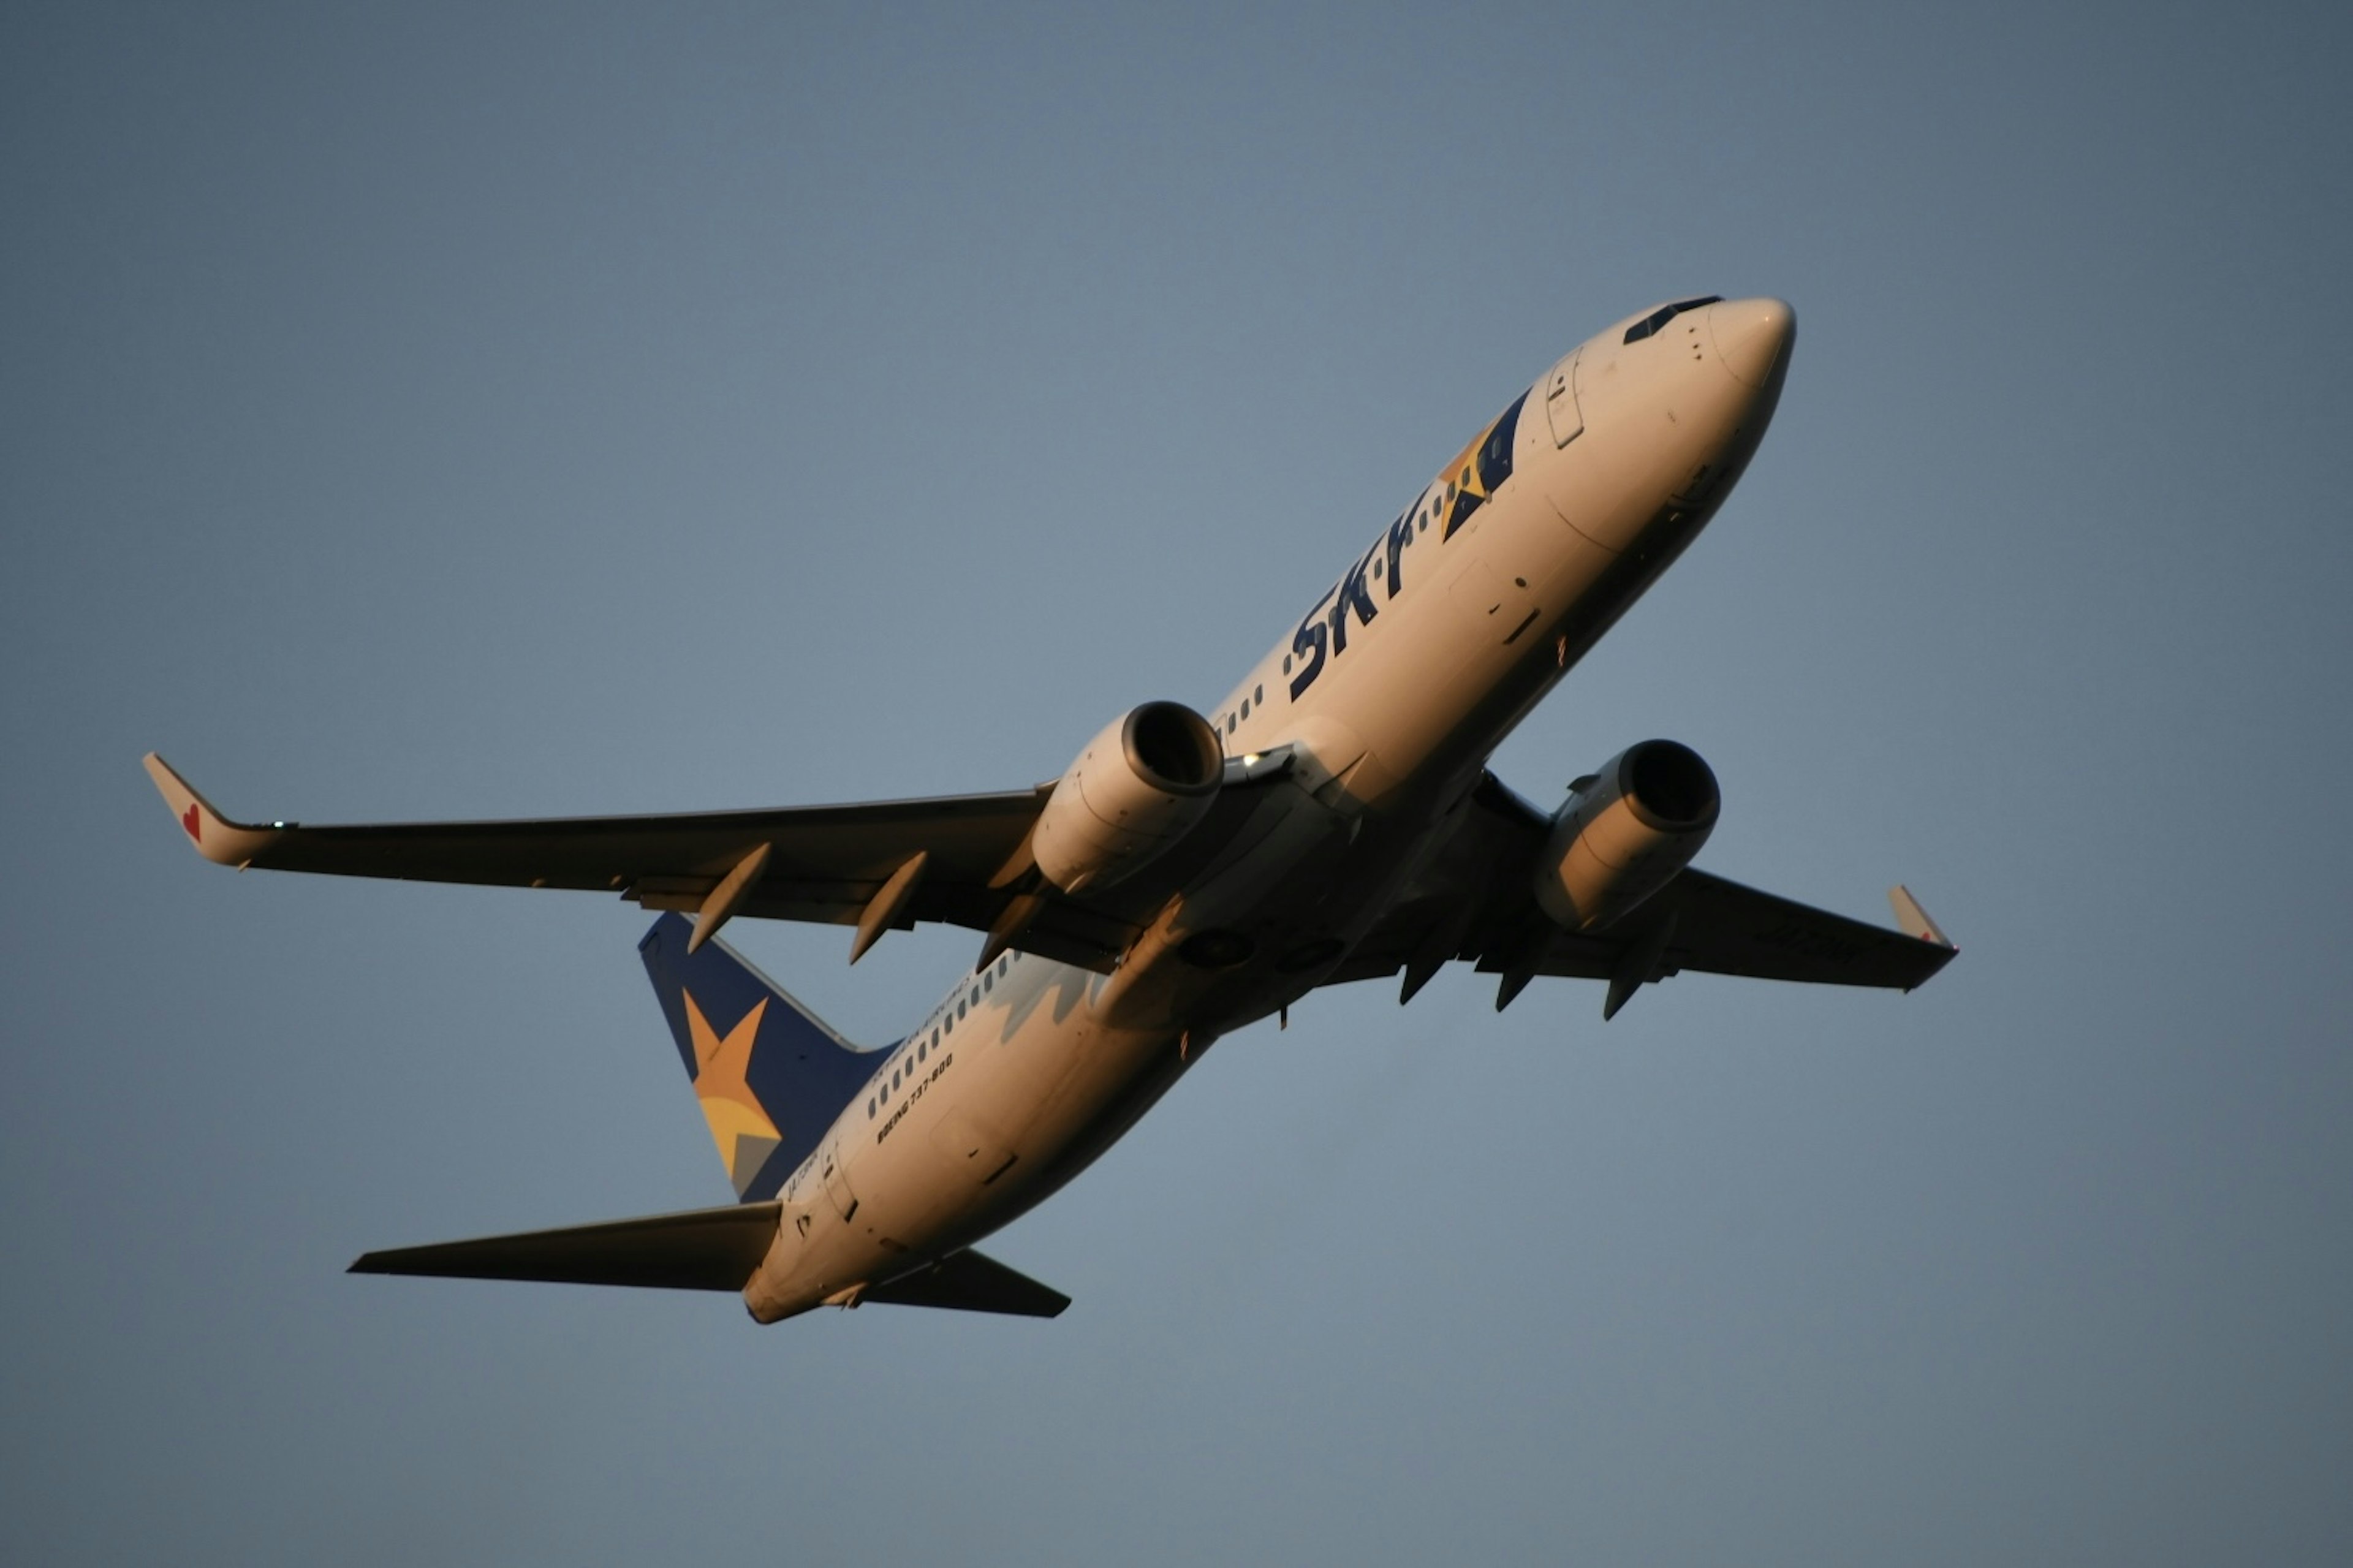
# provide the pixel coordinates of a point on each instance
(1663, 314)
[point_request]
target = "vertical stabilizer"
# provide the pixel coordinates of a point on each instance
(770, 1075)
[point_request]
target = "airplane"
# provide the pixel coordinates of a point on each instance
(1332, 820)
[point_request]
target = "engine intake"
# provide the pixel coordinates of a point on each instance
(1624, 832)
(1138, 786)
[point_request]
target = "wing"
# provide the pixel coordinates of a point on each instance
(967, 1282)
(1475, 900)
(961, 860)
(701, 1249)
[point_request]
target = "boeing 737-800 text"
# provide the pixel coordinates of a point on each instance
(1331, 819)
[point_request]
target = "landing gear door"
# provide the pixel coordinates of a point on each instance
(1560, 401)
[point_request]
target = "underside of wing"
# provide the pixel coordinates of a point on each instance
(956, 859)
(821, 856)
(1475, 902)
(1723, 928)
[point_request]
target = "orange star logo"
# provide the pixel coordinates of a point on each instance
(739, 1124)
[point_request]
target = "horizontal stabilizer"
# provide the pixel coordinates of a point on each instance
(968, 1282)
(701, 1249)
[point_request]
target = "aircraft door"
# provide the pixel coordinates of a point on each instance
(837, 1182)
(1561, 410)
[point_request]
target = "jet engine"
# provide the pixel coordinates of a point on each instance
(1138, 787)
(1624, 832)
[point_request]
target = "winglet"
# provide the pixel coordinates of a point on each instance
(216, 839)
(1914, 921)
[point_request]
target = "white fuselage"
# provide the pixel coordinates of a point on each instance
(1390, 695)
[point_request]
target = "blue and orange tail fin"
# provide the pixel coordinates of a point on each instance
(770, 1075)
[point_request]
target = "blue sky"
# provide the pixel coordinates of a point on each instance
(425, 411)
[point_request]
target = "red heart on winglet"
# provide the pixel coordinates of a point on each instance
(194, 823)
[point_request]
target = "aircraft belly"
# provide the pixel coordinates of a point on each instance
(1095, 1092)
(1031, 1094)
(1089, 1139)
(1424, 694)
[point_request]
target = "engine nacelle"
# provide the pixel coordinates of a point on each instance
(1624, 832)
(1137, 788)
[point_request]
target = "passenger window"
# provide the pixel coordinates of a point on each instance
(1245, 707)
(1005, 964)
(935, 1036)
(976, 995)
(959, 1006)
(1286, 664)
(869, 1108)
(1260, 695)
(988, 981)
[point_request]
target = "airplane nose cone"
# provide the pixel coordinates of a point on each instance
(1751, 336)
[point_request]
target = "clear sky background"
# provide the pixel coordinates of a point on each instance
(426, 411)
